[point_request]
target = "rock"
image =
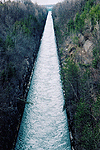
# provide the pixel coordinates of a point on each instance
(88, 45)
(86, 61)
(97, 26)
(81, 39)
(97, 29)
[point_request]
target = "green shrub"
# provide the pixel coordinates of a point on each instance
(61, 51)
(76, 40)
(84, 125)
(96, 107)
(96, 56)
(58, 33)
(82, 114)
(11, 70)
(9, 42)
(3, 75)
(95, 63)
(79, 22)
(89, 131)
(71, 79)
(27, 25)
(95, 13)
(88, 5)
(70, 25)
(1, 42)
(26, 29)
(83, 15)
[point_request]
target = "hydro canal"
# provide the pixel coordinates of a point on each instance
(44, 124)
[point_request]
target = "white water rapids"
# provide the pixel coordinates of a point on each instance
(44, 124)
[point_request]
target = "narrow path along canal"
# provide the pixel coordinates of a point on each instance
(44, 124)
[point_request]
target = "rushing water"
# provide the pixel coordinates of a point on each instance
(44, 124)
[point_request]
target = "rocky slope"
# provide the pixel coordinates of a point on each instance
(21, 27)
(77, 28)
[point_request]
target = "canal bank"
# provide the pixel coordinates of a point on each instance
(20, 35)
(44, 124)
(22, 100)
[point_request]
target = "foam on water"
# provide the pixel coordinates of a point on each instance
(44, 125)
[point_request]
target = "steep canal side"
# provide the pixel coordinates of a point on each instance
(44, 125)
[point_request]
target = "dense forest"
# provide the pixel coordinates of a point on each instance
(77, 29)
(21, 27)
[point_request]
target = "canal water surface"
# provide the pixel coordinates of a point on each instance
(44, 124)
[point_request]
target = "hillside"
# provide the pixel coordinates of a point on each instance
(77, 29)
(21, 27)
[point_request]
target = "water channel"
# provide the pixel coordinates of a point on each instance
(44, 124)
